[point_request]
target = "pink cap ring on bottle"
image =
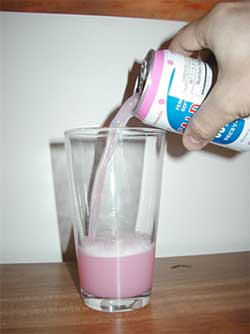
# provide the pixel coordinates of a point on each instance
(156, 60)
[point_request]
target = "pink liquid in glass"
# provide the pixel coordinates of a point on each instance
(127, 274)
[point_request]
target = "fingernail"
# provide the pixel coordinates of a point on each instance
(192, 143)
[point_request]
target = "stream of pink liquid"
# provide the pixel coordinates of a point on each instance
(120, 120)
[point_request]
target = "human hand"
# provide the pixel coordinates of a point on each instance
(225, 30)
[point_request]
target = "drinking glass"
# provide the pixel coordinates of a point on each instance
(115, 216)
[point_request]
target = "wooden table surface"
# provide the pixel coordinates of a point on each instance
(196, 294)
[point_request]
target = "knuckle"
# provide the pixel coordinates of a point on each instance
(200, 36)
(236, 103)
(244, 100)
(227, 110)
(212, 22)
(221, 9)
(244, 109)
(180, 41)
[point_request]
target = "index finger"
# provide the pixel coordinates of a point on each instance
(190, 38)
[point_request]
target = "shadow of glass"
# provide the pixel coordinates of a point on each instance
(62, 199)
(73, 271)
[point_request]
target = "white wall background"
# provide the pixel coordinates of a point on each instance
(62, 71)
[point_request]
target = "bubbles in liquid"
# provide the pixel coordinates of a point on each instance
(120, 120)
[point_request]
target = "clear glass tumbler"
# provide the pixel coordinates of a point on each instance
(115, 176)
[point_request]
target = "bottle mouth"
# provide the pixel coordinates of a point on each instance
(144, 72)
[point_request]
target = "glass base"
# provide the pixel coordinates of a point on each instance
(116, 305)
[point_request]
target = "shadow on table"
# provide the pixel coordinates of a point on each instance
(73, 271)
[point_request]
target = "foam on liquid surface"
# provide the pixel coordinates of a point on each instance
(127, 244)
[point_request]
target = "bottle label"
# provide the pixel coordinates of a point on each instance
(183, 85)
(230, 132)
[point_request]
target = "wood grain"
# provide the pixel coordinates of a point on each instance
(159, 9)
(199, 295)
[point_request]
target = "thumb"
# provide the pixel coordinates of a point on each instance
(213, 115)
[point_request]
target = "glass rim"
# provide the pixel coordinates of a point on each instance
(128, 131)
